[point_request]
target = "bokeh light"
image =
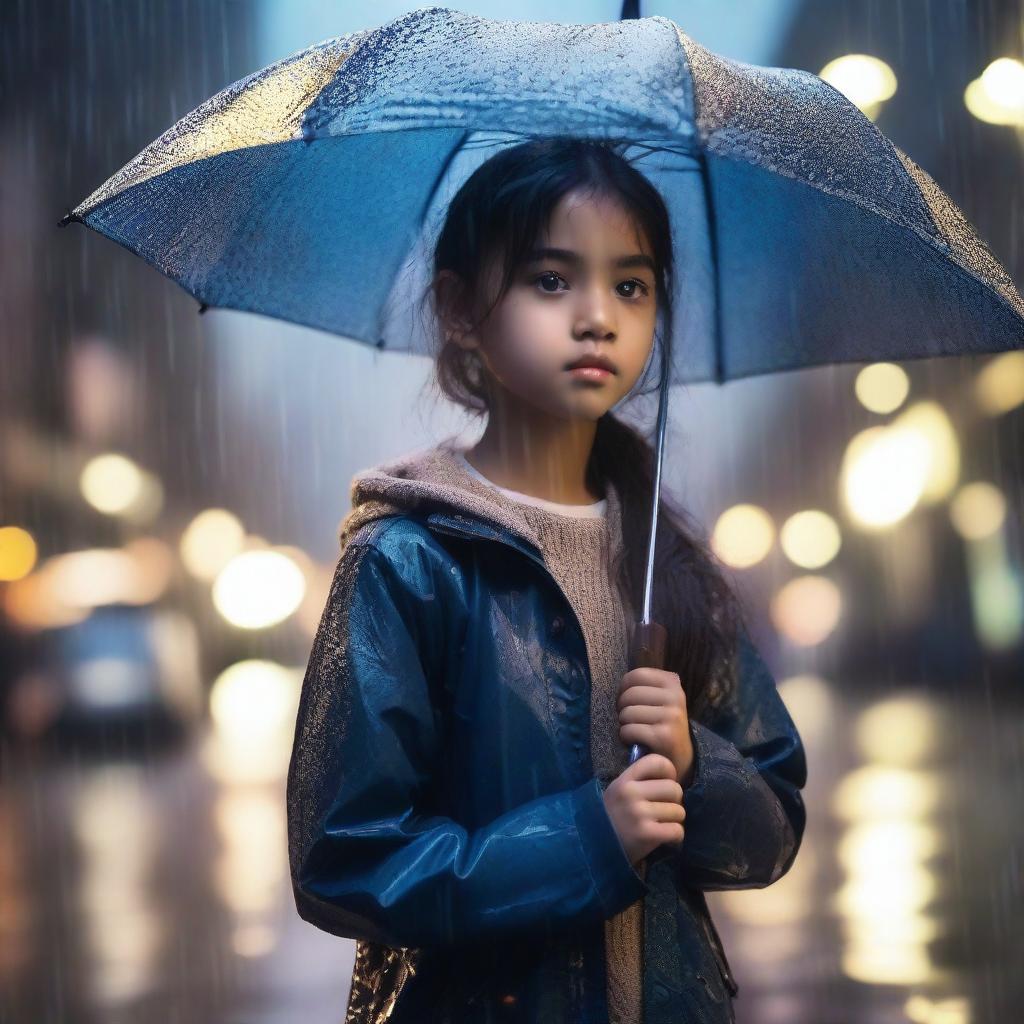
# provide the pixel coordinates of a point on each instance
(743, 535)
(810, 539)
(864, 80)
(903, 730)
(997, 95)
(807, 609)
(252, 708)
(887, 471)
(977, 510)
(210, 541)
(117, 486)
(883, 475)
(17, 553)
(257, 589)
(943, 468)
(882, 387)
(999, 386)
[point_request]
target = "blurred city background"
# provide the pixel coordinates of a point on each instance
(171, 484)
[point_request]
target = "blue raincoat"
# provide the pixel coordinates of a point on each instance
(442, 807)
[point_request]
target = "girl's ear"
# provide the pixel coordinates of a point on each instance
(451, 300)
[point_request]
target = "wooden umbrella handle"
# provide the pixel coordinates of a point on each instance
(647, 651)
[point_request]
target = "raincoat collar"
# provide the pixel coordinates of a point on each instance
(432, 483)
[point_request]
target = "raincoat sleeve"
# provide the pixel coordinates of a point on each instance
(745, 816)
(368, 857)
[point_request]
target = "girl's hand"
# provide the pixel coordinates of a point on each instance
(652, 711)
(645, 805)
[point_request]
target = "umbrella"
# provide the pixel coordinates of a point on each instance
(805, 236)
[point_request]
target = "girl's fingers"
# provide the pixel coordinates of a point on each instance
(669, 810)
(673, 832)
(642, 714)
(663, 791)
(655, 695)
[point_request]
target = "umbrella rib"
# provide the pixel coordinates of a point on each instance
(438, 178)
(709, 205)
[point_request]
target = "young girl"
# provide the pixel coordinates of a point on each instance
(460, 798)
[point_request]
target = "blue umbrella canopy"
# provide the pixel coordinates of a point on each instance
(803, 235)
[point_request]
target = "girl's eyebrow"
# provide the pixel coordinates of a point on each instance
(570, 256)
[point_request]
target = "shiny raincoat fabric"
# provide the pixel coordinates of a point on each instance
(443, 811)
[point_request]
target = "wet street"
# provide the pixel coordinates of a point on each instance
(154, 886)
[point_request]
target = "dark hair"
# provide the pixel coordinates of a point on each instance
(501, 209)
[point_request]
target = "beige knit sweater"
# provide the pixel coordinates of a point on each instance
(578, 544)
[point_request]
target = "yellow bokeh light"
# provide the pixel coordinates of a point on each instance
(1003, 80)
(743, 535)
(876, 963)
(896, 893)
(902, 730)
(883, 475)
(997, 96)
(882, 387)
(807, 609)
(952, 1010)
(809, 701)
(943, 470)
(888, 471)
(252, 708)
(18, 553)
(977, 510)
(873, 847)
(999, 386)
(111, 483)
(252, 860)
(883, 791)
(210, 541)
(864, 80)
(259, 588)
(250, 700)
(810, 538)
(136, 574)
(34, 603)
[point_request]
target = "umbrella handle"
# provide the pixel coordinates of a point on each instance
(647, 651)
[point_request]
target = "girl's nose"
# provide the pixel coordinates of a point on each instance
(596, 312)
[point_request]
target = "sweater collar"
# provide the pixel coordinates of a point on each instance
(432, 482)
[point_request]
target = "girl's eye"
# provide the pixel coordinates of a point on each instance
(549, 275)
(637, 284)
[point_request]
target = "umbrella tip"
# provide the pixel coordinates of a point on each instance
(203, 307)
(68, 218)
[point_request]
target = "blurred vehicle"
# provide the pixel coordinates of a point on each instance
(129, 672)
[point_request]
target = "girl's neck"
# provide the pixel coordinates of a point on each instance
(545, 463)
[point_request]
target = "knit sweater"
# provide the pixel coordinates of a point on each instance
(578, 543)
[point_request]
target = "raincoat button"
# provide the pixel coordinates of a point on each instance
(557, 625)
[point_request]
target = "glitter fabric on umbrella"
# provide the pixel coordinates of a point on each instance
(830, 242)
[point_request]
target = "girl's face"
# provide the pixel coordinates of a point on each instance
(595, 296)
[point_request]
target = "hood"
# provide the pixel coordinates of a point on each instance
(433, 479)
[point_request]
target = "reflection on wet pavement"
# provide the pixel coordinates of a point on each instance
(137, 889)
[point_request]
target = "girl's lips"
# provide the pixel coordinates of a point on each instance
(597, 373)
